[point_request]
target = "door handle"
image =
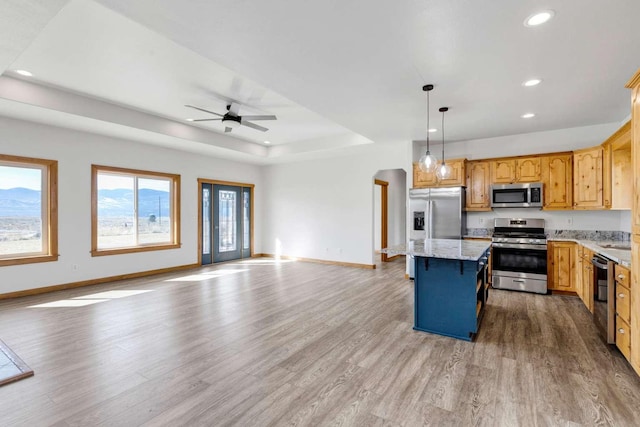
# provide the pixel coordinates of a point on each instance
(519, 280)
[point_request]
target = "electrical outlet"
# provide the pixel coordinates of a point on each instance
(569, 221)
(481, 220)
(75, 267)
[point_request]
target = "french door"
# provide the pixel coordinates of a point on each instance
(226, 222)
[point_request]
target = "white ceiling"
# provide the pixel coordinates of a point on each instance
(336, 73)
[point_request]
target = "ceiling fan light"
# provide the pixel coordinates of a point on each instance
(231, 123)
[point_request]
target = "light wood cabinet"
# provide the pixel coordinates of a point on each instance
(458, 176)
(606, 175)
(528, 169)
(423, 179)
(478, 186)
(561, 265)
(587, 279)
(621, 184)
(503, 171)
(557, 178)
(587, 179)
(634, 333)
(507, 171)
(623, 310)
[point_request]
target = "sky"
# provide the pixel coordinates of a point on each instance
(11, 177)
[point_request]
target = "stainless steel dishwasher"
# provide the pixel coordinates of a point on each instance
(604, 310)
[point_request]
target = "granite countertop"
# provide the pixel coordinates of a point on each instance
(468, 250)
(621, 256)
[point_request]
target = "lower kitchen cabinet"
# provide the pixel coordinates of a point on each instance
(450, 295)
(623, 310)
(561, 265)
(586, 288)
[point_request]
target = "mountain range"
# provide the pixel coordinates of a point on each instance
(24, 202)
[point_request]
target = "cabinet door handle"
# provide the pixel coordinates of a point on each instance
(621, 330)
(620, 276)
(518, 280)
(620, 295)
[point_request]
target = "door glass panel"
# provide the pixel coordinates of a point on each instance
(227, 204)
(246, 212)
(206, 221)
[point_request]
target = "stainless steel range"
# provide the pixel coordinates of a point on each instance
(519, 255)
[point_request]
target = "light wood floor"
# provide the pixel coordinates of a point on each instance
(258, 343)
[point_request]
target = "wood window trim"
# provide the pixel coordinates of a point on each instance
(52, 211)
(251, 187)
(175, 210)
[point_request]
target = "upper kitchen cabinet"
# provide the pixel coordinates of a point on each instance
(507, 171)
(617, 158)
(557, 178)
(528, 169)
(503, 171)
(423, 179)
(457, 178)
(587, 179)
(478, 186)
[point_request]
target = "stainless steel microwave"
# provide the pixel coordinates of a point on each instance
(516, 195)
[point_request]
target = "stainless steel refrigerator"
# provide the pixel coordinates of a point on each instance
(437, 213)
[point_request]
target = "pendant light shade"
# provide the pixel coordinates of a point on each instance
(444, 170)
(428, 161)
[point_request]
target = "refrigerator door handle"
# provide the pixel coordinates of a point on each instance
(430, 233)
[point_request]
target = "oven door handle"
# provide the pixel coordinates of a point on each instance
(519, 246)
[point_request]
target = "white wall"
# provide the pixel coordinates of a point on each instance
(323, 209)
(397, 206)
(75, 152)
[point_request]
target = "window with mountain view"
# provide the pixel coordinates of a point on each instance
(133, 210)
(28, 210)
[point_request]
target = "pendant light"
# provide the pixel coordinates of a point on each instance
(444, 170)
(428, 162)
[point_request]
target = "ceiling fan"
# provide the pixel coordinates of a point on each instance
(231, 119)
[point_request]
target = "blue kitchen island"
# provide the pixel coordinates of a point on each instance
(451, 285)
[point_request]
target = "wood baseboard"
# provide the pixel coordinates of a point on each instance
(391, 258)
(36, 291)
(322, 261)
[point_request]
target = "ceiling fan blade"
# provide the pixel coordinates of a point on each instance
(206, 111)
(259, 118)
(253, 126)
(233, 108)
(204, 120)
(227, 129)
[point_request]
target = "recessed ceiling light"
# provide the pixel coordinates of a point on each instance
(432, 130)
(539, 18)
(528, 115)
(532, 82)
(189, 120)
(24, 73)
(267, 142)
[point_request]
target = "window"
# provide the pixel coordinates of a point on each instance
(133, 211)
(28, 210)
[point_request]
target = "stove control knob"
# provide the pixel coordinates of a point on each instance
(531, 241)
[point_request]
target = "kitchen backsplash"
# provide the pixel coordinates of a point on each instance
(597, 236)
